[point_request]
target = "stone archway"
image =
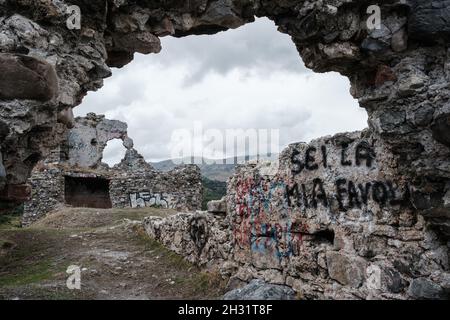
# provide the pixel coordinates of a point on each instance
(399, 72)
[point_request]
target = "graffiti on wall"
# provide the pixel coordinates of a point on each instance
(348, 193)
(310, 160)
(256, 229)
(147, 199)
(266, 207)
(198, 230)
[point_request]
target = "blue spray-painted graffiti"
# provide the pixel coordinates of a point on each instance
(254, 201)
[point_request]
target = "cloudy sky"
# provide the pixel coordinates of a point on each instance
(249, 78)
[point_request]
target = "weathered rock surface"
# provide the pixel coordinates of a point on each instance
(25, 77)
(425, 289)
(347, 270)
(259, 290)
(399, 72)
(410, 49)
(429, 20)
(200, 237)
(89, 137)
(331, 219)
(217, 206)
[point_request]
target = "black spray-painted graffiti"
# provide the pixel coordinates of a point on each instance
(349, 194)
(198, 229)
(266, 219)
(147, 199)
(364, 153)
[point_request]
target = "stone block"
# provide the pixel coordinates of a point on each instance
(217, 206)
(259, 290)
(423, 288)
(441, 129)
(346, 269)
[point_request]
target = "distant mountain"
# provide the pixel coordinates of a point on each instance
(215, 172)
(218, 171)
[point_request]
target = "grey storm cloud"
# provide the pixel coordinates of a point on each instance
(252, 47)
(249, 78)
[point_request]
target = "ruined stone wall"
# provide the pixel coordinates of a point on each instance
(202, 238)
(337, 221)
(331, 219)
(398, 72)
(133, 183)
(179, 189)
(47, 185)
(89, 137)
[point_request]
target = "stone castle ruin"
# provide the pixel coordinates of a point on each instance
(362, 215)
(74, 175)
(332, 219)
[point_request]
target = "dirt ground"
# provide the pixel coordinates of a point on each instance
(117, 259)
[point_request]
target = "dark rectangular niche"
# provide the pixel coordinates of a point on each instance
(87, 192)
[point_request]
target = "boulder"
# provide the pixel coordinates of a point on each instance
(441, 129)
(25, 77)
(346, 269)
(217, 206)
(429, 19)
(260, 290)
(66, 117)
(423, 288)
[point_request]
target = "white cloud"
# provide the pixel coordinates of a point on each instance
(251, 77)
(114, 152)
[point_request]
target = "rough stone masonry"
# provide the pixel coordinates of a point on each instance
(332, 219)
(75, 175)
(399, 73)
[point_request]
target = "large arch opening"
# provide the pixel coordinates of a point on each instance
(395, 72)
(114, 152)
(248, 78)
